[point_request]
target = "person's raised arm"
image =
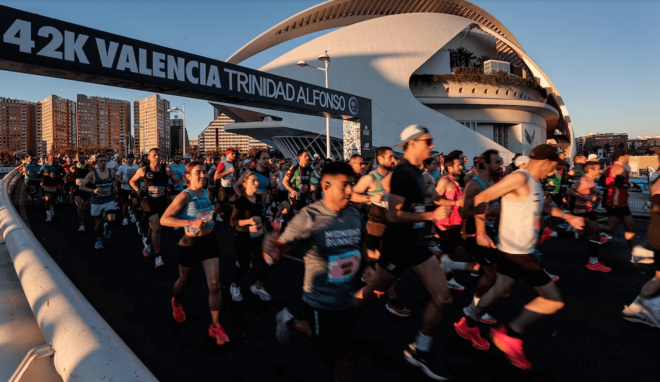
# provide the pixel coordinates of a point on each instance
(86, 181)
(133, 182)
(237, 188)
(362, 186)
(575, 221)
(287, 184)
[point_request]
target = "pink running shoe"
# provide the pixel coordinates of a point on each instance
(600, 267)
(511, 346)
(547, 234)
(471, 334)
(178, 313)
(216, 331)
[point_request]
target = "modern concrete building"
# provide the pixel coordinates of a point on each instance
(17, 125)
(151, 123)
(105, 122)
(176, 134)
(215, 137)
(403, 56)
(56, 124)
(607, 142)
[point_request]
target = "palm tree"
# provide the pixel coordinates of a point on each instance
(454, 58)
(479, 62)
(465, 56)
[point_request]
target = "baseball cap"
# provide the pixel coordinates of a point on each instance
(52, 156)
(618, 153)
(229, 151)
(411, 133)
(521, 160)
(316, 156)
(592, 158)
(545, 151)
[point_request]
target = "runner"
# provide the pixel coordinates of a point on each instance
(192, 210)
(154, 200)
(331, 231)
(112, 160)
(474, 171)
(646, 307)
(227, 175)
(53, 176)
(616, 204)
(80, 197)
(178, 167)
(282, 194)
(296, 181)
(33, 171)
(403, 248)
(103, 202)
(69, 179)
(487, 258)
(586, 196)
(520, 220)
(127, 197)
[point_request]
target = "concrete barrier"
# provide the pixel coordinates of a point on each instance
(86, 347)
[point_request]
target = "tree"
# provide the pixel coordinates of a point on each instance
(479, 62)
(194, 153)
(454, 58)
(465, 56)
(7, 157)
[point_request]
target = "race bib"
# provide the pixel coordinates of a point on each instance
(341, 268)
(156, 191)
(256, 230)
(103, 191)
(79, 181)
(50, 189)
(303, 188)
(419, 209)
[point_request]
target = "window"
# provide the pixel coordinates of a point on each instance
(500, 134)
(470, 125)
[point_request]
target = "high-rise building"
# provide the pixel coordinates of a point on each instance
(606, 142)
(152, 125)
(176, 130)
(17, 125)
(215, 136)
(105, 122)
(55, 124)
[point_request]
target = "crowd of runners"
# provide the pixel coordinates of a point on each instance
(359, 225)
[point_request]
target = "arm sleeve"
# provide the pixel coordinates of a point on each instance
(298, 229)
(619, 182)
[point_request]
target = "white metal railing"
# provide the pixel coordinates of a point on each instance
(86, 347)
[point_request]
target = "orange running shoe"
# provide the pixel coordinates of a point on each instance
(471, 334)
(600, 267)
(511, 346)
(216, 331)
(178, 313)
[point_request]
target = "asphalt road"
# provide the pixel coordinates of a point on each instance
(587, 340)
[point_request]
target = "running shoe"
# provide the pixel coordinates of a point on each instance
(218, 218)
(81, 228)
(455, 286)
(600, 267)
(444, 263)
(147, 246)
(427, 362)
(125, 221)
(640, 317)
(603, 234)
(178, 313)
(547, 234)
(158, 262)
(554, 278)
(236, 293)
(107, 234)
(641, 255)
(486, 318)
(511, 346)
(216, 331)
(471, 334)
(281, 332)
(99, 244)
(263, 295)
(401, 312)
(651, 308)
(602, 240)
(49, 217)
(132, 215)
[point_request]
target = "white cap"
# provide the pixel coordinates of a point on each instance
(592, 158)
(316, 156)
(411, 133)
(521, 160)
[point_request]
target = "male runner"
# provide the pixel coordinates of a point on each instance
(226, 173)
(403, 247)
(127, 197)
(69, 179)
(81, 197)
(486, 257)
(586, 196)
(112, 160)
(297, 181)
(373, 188)
(520, 222)
(53, 175)
(33, 171)
(103, 202)
(178, 167)
(154, 200)
(331, 231)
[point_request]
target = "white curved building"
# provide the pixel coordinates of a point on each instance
(398, 53)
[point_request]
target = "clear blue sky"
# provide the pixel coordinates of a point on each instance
(601, 55)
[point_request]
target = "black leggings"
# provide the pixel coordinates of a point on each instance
(245, 245)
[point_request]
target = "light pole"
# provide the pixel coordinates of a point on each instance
(177, 110)
(302, 63)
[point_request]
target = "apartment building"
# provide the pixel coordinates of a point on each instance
(55, 124)
(105, 122)
(176, 134)
(17, 125)
(215, 136)
(152, 125)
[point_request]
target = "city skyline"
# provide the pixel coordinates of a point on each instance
(580, 71)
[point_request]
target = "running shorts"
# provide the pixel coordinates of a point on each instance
(450, 239)
(109, 208)
(484, 256)
(151, 206)
(401, 252)
(331, 331)
(53, 191)
(524, 267)
(619, 212)
(224, 194)
(69, 187)
(195, 249)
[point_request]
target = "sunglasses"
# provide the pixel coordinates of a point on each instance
(429, 141)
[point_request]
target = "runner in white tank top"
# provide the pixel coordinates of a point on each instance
(522, 204)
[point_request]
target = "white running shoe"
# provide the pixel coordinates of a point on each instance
(651, 308)
(139, 229)
(158, 262)
(81, 228)
(554, 278)
(49, 217)
(132, 215)
(218, 218)
(640, 317)
(641, 255)
(281, 332)
(125, 221)
(263, 295)
(475, 274)
(236, 293)
(603, 234)
(455, 286)
(147, 246)
(444, 262)
(107, 234)
(99, 244)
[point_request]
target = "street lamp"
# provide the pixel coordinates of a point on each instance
(177, 110)
(302, 63)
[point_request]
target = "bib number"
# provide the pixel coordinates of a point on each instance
(303, 188)
(419, 209)
(103, 191)
(156, 191)
(79, 181)
(341, 268)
